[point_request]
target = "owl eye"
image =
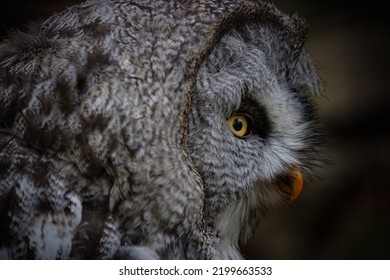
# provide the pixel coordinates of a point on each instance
(241, 125)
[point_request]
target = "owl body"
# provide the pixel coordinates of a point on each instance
(114, 141)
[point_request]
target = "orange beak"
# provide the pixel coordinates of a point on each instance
(293, 185)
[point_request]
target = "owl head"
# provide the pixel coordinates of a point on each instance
(253, 131)
(152, 129)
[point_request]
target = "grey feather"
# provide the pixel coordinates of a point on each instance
(113, 133)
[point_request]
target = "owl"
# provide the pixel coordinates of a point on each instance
(153, 129)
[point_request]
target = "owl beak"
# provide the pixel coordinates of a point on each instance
(293, 184)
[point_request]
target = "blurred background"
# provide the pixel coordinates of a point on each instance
(346, 214)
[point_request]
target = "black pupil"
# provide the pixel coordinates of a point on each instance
(237, 124)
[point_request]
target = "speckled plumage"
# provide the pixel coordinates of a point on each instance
(113, 135)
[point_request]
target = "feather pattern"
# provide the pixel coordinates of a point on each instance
(113, 136)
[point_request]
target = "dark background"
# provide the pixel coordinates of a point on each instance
(346, 214)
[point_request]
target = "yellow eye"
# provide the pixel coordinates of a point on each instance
(241, 125)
